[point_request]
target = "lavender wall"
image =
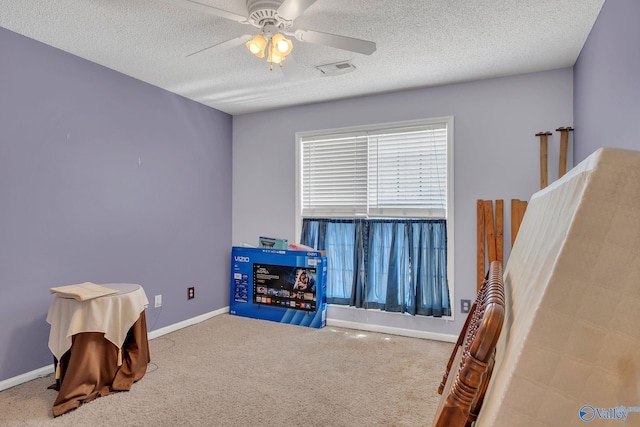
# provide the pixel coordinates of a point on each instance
(77, 205)
(496, 156)
(607, 81)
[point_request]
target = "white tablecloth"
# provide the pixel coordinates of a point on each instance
(112, 314)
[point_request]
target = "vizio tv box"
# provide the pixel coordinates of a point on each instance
(279, 285)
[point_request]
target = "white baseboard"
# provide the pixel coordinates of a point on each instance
(393, 331)
(38, 373)
(189, 322)
(46, 370)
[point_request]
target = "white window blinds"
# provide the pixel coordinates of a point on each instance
(392, 172)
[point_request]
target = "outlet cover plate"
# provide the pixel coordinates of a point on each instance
(465, 305)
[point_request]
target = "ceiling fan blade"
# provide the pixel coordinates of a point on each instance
(291, 9)
(364, 47)
(200, 7)
(225, 45)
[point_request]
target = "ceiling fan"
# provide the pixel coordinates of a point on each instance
(275, 20)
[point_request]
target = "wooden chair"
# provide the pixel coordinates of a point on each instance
(463, 388)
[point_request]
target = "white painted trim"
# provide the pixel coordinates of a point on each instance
(189, 322)
(393, 331)
(298, 198)
(46, 370)
(26, 377)
(450, 216)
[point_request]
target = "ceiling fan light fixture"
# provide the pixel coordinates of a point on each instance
(282, 44)
(274, 55)
(257, 45)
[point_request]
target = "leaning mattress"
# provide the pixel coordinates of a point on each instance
(569, 351)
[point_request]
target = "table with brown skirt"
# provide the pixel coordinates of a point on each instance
(99, 345)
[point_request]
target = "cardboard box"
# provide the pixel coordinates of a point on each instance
(273, 243)
(279, 285)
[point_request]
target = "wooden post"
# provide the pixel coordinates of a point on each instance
(489, 230)
(514, 220)
(480, 244)
(564, 148)
(544, 150)
(490, 236)
(500, 231)
(518, 208)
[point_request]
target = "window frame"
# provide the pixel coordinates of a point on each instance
(381, 127)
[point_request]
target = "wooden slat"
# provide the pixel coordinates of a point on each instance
(500, 231)
(564, 148)
(521, 210)
(480, 244)
(514, 220)
(544, 159)
(518, 208)
(544, 174)
(489, 231)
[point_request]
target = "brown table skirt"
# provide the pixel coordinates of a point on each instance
(90, 368)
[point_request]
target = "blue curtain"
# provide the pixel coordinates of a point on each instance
(393, 265)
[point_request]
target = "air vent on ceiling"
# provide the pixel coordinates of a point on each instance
(336, 68)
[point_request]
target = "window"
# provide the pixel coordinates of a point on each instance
(392, 172)
(377, 200)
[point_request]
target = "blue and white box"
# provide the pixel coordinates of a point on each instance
(279, 285)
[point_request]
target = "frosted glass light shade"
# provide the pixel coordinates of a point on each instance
(257, 45)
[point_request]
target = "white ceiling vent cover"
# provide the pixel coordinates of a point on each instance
(336, 68)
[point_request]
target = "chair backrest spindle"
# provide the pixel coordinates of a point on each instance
(469, 369)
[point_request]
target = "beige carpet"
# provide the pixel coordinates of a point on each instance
(234, 371)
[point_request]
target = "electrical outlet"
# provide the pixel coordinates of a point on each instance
(465, 305)
(158, 301)
(191, 292)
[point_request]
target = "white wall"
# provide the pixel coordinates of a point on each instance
(496, 157)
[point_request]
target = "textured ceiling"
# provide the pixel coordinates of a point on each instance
(419, 43)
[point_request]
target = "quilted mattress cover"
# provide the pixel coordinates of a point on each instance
(569, 351)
